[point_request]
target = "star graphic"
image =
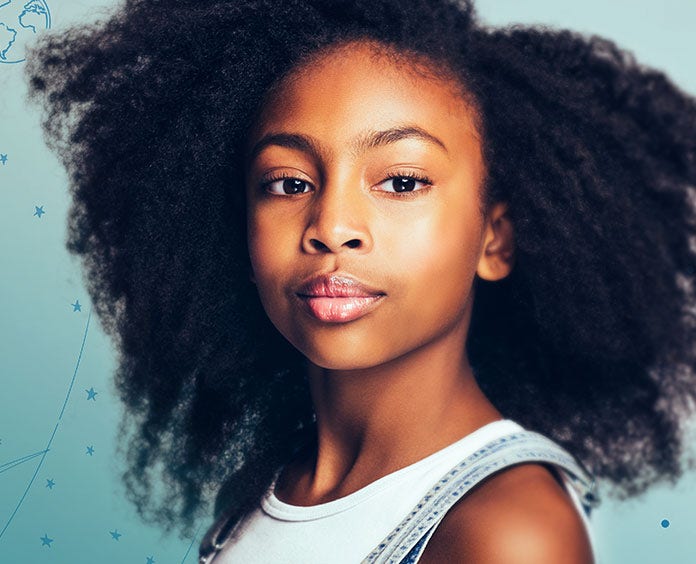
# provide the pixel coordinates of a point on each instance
(39, 211)
(91, 394)
(50, 483)
(90, 450)
(3, 159)
(115, 534)
(76, 306)
(45, 541)
(150, 560)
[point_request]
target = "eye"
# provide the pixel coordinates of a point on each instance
(408, 182)
(285, 185)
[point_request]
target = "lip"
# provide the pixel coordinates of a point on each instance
(337, 298)
(335, 285)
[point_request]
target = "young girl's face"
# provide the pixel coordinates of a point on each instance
(365, 169)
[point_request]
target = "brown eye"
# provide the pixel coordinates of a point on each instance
(287, 186)
(405, 183)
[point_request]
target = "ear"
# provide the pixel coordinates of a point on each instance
(498, 248)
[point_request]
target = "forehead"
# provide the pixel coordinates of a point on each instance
(345, 92)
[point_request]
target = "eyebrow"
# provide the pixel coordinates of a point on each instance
(367, 141)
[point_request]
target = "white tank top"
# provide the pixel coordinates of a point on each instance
(345, 530)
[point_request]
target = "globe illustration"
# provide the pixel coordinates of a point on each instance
(20, 21)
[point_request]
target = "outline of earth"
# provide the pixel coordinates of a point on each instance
(25, 20)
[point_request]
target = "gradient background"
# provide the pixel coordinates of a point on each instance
(51, 353)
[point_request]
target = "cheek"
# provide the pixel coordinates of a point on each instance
(266, 238)
(439, 260)
(267, 255)
(441, 250)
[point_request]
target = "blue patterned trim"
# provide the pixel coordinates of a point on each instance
(406, 542)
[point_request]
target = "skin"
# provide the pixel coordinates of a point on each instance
(395, 385)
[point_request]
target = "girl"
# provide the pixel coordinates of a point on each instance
(390, 285)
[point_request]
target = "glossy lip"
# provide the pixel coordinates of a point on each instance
(336, 285)
(337, 298)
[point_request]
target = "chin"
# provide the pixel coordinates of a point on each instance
(345, 355)
(333, 361)
(340, 357)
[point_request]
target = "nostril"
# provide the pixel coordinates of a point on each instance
(318, 245)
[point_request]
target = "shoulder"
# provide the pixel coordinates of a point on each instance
(521, 515)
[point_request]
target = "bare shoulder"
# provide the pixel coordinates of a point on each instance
(521, 515)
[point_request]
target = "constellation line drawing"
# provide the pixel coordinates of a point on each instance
(195, 536)
(17, 461)
(50, 440)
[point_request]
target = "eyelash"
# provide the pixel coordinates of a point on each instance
(406, 174)
(275, 178)
(427, 184)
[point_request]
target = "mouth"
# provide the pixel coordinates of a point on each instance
(337, 298)
(339, 309)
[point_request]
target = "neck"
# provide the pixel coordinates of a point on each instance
(374, 421)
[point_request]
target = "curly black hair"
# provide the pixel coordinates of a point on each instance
(595, 154)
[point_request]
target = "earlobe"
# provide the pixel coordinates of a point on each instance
(498, 248)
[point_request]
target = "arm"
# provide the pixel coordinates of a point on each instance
(524, 519)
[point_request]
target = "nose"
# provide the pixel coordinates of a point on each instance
(338, 221)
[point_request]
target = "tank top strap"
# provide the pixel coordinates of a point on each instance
(215, 537)
(406, 542)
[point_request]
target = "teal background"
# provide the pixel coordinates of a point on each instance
(49, 352)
